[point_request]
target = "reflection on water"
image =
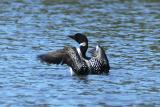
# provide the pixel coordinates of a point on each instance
(128, 30)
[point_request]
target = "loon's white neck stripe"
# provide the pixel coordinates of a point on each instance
(83, 44)
(79, 52)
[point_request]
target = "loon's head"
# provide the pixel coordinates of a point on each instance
(83, 42)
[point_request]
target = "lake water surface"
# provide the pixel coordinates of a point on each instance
(129, 30)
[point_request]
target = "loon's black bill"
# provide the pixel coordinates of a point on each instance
(72, 37)
(75, 38)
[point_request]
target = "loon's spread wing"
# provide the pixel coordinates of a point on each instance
(104, 56)
(56, 57)
(98, 53)
(67, 55)
(61, 56)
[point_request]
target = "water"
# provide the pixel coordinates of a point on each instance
(128, 30)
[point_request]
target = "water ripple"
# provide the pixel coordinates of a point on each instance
(128, 30)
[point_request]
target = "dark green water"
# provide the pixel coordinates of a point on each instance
(129, 30)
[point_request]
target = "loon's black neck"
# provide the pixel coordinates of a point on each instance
(83, 50)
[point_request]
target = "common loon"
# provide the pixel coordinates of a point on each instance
(76, 58)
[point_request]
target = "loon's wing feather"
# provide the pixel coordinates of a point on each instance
(56, 57)
(106, 59)
(67, 55)
(103, 55)
(99, 53)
